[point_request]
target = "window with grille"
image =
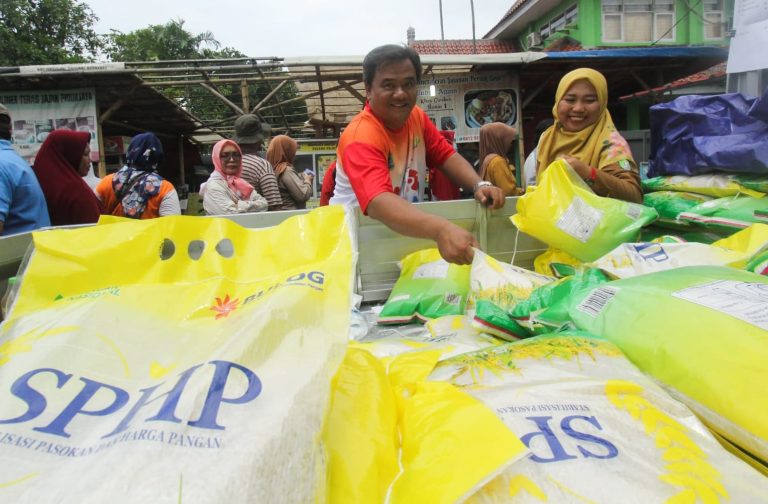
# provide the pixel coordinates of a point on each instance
(568, 17)
(713, 19)
(571, 14)
(557, 23)
(638, 20)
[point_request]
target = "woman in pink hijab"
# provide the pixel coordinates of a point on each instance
(225, 192)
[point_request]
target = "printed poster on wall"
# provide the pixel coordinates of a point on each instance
(463, 103)
(750, 22)
(34, 114)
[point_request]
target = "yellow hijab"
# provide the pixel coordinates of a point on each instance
(598, 145)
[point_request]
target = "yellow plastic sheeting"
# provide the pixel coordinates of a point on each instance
(452, 445)
(394, 437)
(750, 241)
(361, 435)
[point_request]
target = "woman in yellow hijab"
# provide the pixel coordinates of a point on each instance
(584, 135)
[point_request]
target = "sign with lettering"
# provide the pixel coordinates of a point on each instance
(317, 147)
(34, 114)
(72, 67)
(463, 103)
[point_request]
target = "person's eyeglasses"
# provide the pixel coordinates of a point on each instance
(233, 156)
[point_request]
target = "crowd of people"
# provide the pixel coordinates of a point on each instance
(389, 156)
(54, 191)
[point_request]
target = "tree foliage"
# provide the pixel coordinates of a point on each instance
(160, 42)
(35, 32)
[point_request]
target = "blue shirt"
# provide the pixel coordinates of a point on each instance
(22, 204)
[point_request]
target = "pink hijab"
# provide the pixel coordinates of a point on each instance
(239, 186)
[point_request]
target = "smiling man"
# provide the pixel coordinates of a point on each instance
(383, 155)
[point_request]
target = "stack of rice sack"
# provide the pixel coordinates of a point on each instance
(746, 249)
(669, 306)
(558, 418)
(709, 163)
(700, 331)
(714, 202)
(448, 416)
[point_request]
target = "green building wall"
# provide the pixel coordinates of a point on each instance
(588, 27)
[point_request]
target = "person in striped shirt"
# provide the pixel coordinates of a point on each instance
(249, 135)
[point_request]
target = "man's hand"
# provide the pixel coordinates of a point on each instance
(490, 196)
(455, 244)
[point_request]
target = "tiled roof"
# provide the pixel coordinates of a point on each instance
(713, 72)
(462, 46)
(564, 44)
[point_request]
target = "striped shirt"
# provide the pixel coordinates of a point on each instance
(259, 173)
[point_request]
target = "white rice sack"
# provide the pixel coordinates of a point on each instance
(598, 429)
(452, 335)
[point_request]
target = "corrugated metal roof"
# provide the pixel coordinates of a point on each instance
(643, 52)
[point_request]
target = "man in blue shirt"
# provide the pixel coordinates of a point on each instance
(22, 204)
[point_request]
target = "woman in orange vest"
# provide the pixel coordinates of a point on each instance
(137, 190)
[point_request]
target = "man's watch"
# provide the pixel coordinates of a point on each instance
(481, 183)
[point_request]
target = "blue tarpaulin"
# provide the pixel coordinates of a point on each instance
(693, 135)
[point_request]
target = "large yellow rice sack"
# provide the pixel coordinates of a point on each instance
(702, 331)
(563, 212)
(174, 360)
(597, 428)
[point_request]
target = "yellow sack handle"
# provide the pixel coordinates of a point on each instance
(67, 263)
